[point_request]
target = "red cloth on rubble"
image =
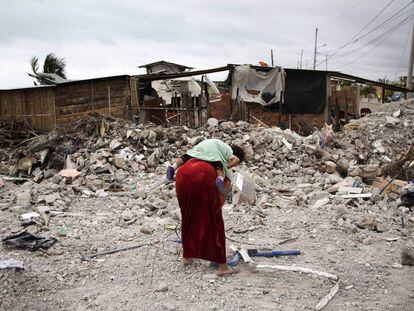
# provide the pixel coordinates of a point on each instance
(202, 228)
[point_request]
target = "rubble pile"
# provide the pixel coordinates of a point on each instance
(100, 182)
(112, 154)
(377, 144)
(97, 155)
(108, 151)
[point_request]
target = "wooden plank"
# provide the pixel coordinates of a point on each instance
(134, 96)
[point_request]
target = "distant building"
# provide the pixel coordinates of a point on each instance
(164, 67)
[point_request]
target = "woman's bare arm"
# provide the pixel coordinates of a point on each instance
(233, 161)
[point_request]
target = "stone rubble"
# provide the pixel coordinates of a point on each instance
(124, 164)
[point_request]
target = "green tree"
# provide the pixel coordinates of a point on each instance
(367, 89)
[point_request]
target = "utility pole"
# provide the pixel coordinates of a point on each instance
(301, 56)
(314, 55)
(410, 66)
(271, 56)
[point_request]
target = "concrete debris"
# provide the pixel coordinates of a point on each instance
(29, 216)
(391, 121)
(11, 264)
(339, 193)
(212, 122)
(162, 288)
(367, 222)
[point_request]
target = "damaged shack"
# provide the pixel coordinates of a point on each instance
(172, 94)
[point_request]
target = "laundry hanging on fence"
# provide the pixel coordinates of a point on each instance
(264, 87)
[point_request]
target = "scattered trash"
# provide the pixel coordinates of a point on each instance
(29, 216)
(246, 254)
(245, 185)
(25, 240)
(11, 264)
(325, 300)
(407, 197)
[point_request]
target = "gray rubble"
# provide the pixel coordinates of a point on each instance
(328, 198)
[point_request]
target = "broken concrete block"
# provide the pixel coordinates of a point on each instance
(248, 151)
(120, 162)
(377, 145)
(195, 140)
(49, 198)
(212, 122)
(127, 215)
(391, 121)
(334, 179)
(320, 199)
(367, 222)
(115, 144)
(330, 167)
(397, 113)
(24, 197)
(56, 179)
(342, 167)
(152, 137)
(147, 229)
(69, 174)
(288, 145)
(228, 125)
(350, 228)
(246, 186)
(340, 212)
(369, 171)
(43, 209)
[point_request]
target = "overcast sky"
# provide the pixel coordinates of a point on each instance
(102, 38)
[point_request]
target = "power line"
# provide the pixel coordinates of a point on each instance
(394, 16)
(365, 27)
(379, 37)
(388, 35)
(382, 35)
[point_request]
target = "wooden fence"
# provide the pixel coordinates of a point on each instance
(42, 108)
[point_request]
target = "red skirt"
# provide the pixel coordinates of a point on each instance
(202, 228)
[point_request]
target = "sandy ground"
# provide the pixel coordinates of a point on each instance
(152, 277)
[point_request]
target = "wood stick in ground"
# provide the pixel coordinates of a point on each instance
(117, 250)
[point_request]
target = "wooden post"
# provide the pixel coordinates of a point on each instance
(346, 108)
(383, 94)
(109, 99)
(134, 96)
(327, 99)
(337, 115)
(92, 97)
(280, 115)
(54, 109)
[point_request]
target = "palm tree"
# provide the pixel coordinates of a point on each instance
(51, 65)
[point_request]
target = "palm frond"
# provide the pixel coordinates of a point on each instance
(34, 63)
(54, 64)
